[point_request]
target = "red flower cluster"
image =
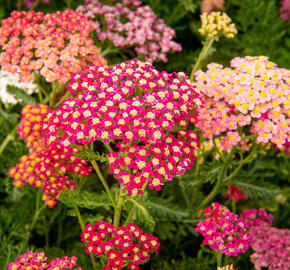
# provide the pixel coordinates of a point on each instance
(35, 260)
(235, 193)
(55, 45)
(47, 165)
(224, 231)
(123, 246)
(143, 111)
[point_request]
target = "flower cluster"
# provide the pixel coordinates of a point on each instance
(54, 45)
(37, 260)
(7, 78)
(271, 245)
(142, 111)
(30, 3)
(128, 24)
(253, 93)
(223, 230)
(123, 246)
(47, 165)
(235, 193)
(216, 25)
(227, 267)
(285, 10)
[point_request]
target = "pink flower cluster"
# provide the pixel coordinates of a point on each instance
(235, 193)
(142, 111)
(54, 45)
(47, 165)
(37, 260)
(128, 24)
(123, 246)
(285, 10)
(30, 3)
(252, 94)
(224, 231)
(271, 245)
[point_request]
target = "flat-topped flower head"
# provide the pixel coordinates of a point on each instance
(37, 260)
(131, 24)
(271, 245)
(227, 267)
(126, 246)
(253, 95)
(217, 24)
(54, 45)
(224, 231)
(235, 193)
(143, 112)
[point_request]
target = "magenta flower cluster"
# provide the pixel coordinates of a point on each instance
(224, 231)
(123, 246)
(271, 245)
(142, 111)
(130, 24)
(252, 94)
(37, 260)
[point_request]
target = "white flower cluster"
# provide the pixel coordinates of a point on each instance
(13, 79)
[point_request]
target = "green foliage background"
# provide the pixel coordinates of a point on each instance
(265, 180)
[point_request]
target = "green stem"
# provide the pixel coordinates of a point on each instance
(184, 194)
(218, 150)
(66, 96)
(109, 147)
(219, 258)
(19, 2)
(118, 209)
(82, 224)
(202, 55)
(35, 217)
(53, 94)
(36, 3)
(7, 140)
(103, 180)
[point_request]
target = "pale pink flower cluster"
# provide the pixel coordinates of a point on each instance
(252, 94)
(224, 231)
(140, 110)
(271, 245)
(129, 24)
(54, 45)
(37, 260)
(47, 166)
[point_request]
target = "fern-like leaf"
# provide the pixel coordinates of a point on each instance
(20, 95)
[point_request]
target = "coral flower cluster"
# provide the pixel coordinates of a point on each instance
(129, 24)
(54, 45)
(140, 110)
(46, 166)
(224, 231)
(122, 246)
(216, 25)
(227, 267)
(7, 78)
(253, 94)
(37, 260)
(271, 245)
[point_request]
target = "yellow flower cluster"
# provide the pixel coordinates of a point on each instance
(217, 24)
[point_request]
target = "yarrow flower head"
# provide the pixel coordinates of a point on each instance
(123, 246)
(37, 260)
(46, 166)
(8, 78)
(224, 231)
(253, 94)
(209, 5)
(235, 193)
(271, 245)
(216, 25)
(128, 23)
(285, 10)
(142, 111)
(227, 267)
(54, 45)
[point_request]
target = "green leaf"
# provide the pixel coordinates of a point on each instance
(161, 208)
(142, 213)
(20, 95)
(84, 199)
(188, 5)
(257, 191)
(88, 155)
